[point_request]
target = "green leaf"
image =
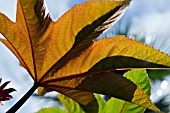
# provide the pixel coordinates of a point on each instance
(86, 100)
(109, 83)
(70, 105)
(158, 74)
(101, 102)
(140, 78)
(114, 105)
(52, 110)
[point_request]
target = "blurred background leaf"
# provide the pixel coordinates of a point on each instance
(162, 104)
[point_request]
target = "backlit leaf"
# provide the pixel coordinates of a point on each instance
(158, 74)
(36, 39)
(114, 105)
(85, 99)
(71, 106)
(119, 53)
(64, 57)
(23, 35)
(52, 110)
(80, 35)
(108, 83)
(14, 51)
(94, 67)
(140, 78)
(115, 53)
(44, 46)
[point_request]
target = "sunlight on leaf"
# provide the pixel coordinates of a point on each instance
(64, 56)
(140, 78)
(115, 53)
(52, 110)
(37, 39)
(114, 105)
(44, 46)
(71, 106)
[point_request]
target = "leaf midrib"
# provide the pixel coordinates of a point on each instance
(51, 86)
(94, 72)
(74, 46)
(32, 50)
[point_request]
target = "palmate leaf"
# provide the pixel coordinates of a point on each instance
(113, 105)
(42, 39)
(64, 57)
(22, 36)
(93, 68)
(49, 45)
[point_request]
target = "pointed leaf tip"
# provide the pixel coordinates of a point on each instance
(4, 85)
(146, 102)
(4, 93)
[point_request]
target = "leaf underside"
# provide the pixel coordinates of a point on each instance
(64, 57)
(114, 105)
(140, 78)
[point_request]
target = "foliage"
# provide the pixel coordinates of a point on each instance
(158, 74)
(113, 105)
(52, 110)
(5, 93)
(64, 56)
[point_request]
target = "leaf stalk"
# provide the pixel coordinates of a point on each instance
(14, 108)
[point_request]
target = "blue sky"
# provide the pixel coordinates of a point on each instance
(149, 19)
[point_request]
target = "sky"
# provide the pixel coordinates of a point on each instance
(147, 18)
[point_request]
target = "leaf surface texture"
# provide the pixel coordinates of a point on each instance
(64, 56)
